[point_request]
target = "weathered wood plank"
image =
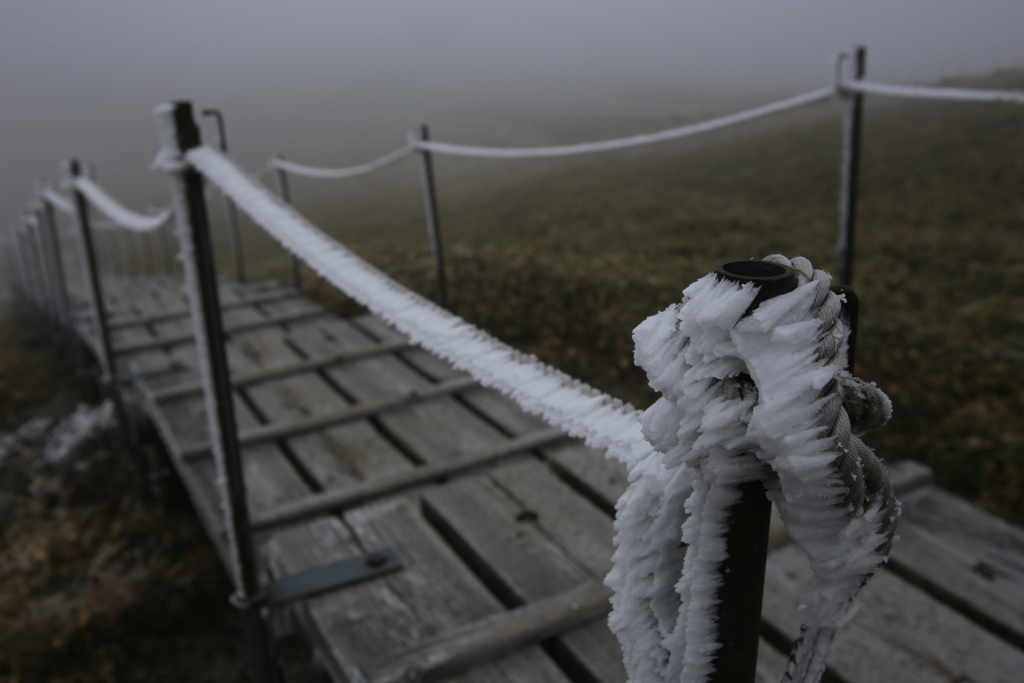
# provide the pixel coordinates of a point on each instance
(965, 557)
(367, 491)
(362, 627)
(229, 329)
(900, 634)
(297, 426)
(436, 429)
(289, 368)
(588, 470)
(279, 399)
(497, 635)
(138, 315)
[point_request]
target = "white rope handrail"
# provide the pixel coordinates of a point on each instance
(581, 410)
(932, 93)
(627, 142)
(337, 173)
(117, 212)
(57, 201)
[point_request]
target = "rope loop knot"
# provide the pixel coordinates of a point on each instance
(754, 389)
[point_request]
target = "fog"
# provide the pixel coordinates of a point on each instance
(331, 82)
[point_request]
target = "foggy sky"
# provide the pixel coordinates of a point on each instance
(333, 82)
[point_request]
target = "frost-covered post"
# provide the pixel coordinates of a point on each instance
(87, 254)
(755, 398)
(48, 224)
(178, 134)
(432, 216)
(285, 192)
(850, 162)
(229, 206)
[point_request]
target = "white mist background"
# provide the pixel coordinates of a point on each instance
(334, 82)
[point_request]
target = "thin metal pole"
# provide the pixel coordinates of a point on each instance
(31, 270)
(22, 273)
(48, 225)
(431, 212)
(108, 368)
(49, 282)
(849, 172)
(284, 190)
(229, 206)
(219, 383)
(738, 612)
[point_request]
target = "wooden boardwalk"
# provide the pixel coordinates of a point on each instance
(355, 441)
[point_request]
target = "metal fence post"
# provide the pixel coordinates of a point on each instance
(850, 167)
(284, 190)
(229, 206)
(48, 226)
(431, 212)
(108, 367)
(746, 542)
(201, 279)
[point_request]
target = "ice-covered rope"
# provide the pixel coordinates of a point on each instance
(626, 142)
(338, 173)
(932, 93)
(117, 212)
(57, 200)
(581, 410)
(751, 397)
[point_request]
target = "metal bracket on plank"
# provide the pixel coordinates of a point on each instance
(324, 579)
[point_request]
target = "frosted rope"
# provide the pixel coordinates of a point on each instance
(117, 212)
(930, 93)
(746, 397)
(337, 173)
(581, 410)
(627, 142)
(58, 201)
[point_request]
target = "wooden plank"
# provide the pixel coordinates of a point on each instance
(295, 427)
(587, 470)
(966, 558)
(900, 634)
(141, 318)
(436, 429)
(497, 635)
(524, 554)
(294, 395)
(367, 491)
(229, 329)
(289, 368)
(361, 628)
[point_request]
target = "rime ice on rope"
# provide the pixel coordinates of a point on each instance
(746, 397)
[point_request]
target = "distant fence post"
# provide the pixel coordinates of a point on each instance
(850, 166)
(285, 191)
(48, 226)
(229, 206)
(108, 367)
(179, 132)
(433, 222)
(30, 267)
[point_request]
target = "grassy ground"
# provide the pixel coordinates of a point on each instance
(97, 584)
(565, 262)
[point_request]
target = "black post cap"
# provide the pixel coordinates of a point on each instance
(774, 279)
